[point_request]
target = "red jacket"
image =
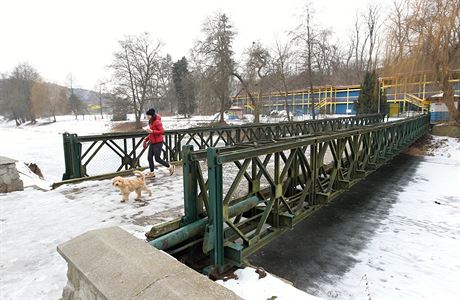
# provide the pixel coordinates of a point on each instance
(156, 136)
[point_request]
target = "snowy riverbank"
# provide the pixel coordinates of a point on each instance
(35, 221)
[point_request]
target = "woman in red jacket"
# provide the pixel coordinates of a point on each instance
(155, 138)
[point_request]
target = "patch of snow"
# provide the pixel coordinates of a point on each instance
(447, 147)
(249, 286)
(33, 222)
(30, 179)
(414, 253)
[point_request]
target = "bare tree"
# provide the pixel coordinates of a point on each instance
(254, 72)
(217, 55)
(101, 87)
(205, 96)
(373, 25)
(57, 100)
(360, 42)
(397, 46)
(281, 69)
(162, 84)
(438, 29)
(306, 35)
(22, 79)
(39, 97)
(11, 102)
(76, 105)
(361, 55)
(428, 40)
(134, 68)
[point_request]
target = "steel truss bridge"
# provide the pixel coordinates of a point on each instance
(103, 155)
(240, 197)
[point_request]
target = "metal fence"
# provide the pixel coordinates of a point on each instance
(94, 155)
(273, 186)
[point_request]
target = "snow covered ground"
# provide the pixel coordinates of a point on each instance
(415, 251)
(249, 285)
(447, 147)
(35, 221)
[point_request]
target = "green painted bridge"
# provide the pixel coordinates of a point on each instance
(246, 185)
(239, 197)
(105, 154)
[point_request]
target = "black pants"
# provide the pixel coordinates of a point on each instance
(155, 151)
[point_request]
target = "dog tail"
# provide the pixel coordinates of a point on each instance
(139, 174)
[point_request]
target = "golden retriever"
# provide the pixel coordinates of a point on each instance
(128, 185)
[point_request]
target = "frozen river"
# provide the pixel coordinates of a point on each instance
(395, 235)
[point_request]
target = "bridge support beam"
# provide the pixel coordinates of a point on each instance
(271, 187)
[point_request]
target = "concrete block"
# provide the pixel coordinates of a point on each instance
(5, 160)
(112, 264)
(17, 185)
(446, 130)
(6, 179)
(9, 176)
(14, 175)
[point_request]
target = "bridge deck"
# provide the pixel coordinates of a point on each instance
(277, 185)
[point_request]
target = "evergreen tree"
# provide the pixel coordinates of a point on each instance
(217, 52)
(368, 99)
(184, 88)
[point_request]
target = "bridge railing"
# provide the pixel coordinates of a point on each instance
(94, 155)
(238, 199)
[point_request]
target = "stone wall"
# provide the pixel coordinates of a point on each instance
(9, 176)
(446, 130)
(112, 264)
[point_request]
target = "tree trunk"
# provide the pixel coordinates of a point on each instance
(448, 99)
(100, 105)
(257, 108)
(222, 110)
(137, 115)
(16, 119)
(312, 101)
(254, 103)
(286, 104)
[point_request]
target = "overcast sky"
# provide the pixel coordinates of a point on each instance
(79, 36)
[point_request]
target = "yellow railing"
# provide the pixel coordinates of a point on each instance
(419, 102)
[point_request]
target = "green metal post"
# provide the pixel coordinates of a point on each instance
(75, 152)
(216, 209)
(175, 237)
(67, 157)
(314, 175)
(191, 204)
(197, 228)
(278, 189)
